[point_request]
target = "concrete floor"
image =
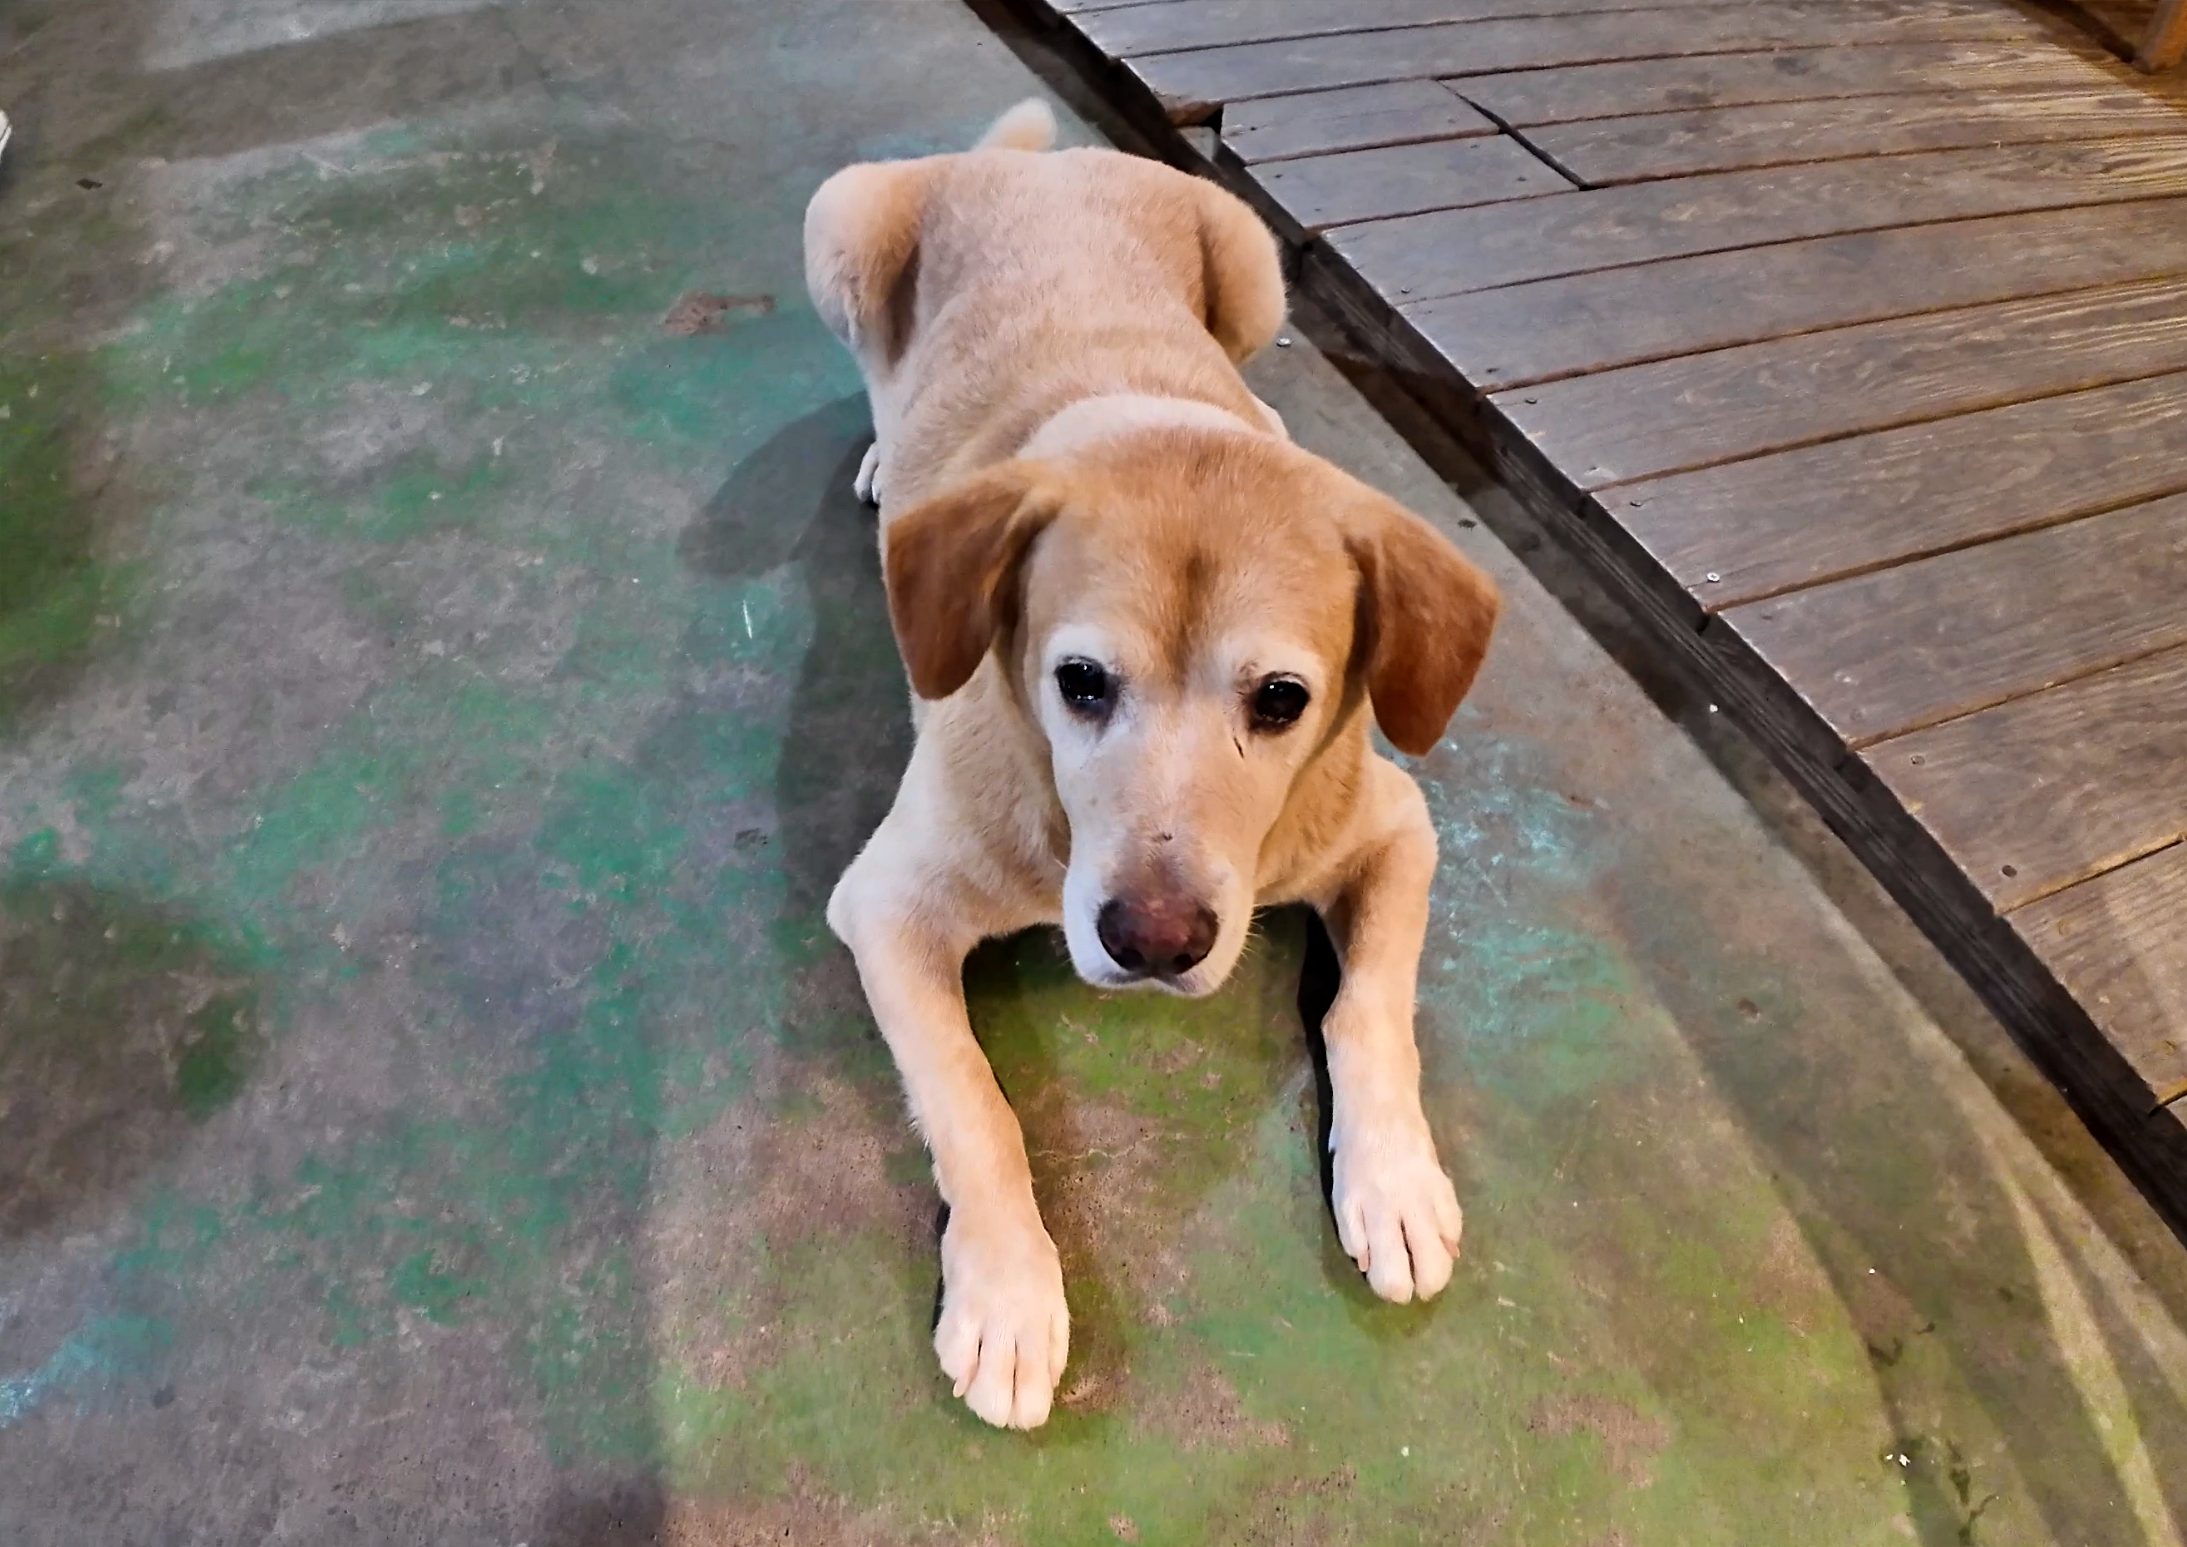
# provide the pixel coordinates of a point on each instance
(439, 679)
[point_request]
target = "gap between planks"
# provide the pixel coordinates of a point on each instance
(1763, 65)
(1543, 331)
(2052, 789)
(1750, 400)
(1205, 26)
(1454, 252)
(1781, 77)
(1935, 639)
(1609, 152)
(1824, 513)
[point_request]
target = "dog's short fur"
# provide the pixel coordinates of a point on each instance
(1146, 634)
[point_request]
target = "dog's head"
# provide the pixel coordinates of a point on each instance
(1194, 621)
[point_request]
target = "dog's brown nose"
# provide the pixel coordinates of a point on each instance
(1158, 936)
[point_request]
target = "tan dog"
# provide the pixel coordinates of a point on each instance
(1146, 632)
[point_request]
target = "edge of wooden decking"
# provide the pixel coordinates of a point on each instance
(2043, 1017)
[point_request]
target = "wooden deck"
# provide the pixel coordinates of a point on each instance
(1848, 340)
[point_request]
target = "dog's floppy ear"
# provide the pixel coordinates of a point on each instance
(953, 567)
(1425, 616)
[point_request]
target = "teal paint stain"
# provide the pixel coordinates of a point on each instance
(36, 856)
(435, 1293)
(691, 391)
(58, 594)
(318, 817)
(173, 1236)
(99, 1355)
(1499, 822)
(413, 495)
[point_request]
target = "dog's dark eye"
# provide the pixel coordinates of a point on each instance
(1085, 687)
(1279, 701)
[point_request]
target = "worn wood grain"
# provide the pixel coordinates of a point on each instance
(1605, 151)
(2114, 942)
(1800, 518)
(1173, 25)
(1319, 192)
(1589, 322)
(2039, 793)
(1899, 649)
(1527, 98)
(1350, 118)
(1189, 82)
(1729, 404)
(1449, 252)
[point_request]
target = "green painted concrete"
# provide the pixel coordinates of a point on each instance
(435, 698)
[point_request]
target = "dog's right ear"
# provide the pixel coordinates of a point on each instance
(954, 564)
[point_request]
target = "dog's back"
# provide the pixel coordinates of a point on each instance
(985, 291)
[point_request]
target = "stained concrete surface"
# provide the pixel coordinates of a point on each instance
(441, 671)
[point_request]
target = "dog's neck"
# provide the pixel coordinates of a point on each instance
(1092, 420)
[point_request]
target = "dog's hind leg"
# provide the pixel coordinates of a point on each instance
(1242, 274)
(867, 485)
(861, 269)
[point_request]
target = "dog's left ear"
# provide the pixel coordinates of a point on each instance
(953, 564)
(1426, 613)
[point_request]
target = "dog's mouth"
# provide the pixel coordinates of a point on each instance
(1191, 985)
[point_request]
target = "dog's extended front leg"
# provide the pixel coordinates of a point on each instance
(1396, 1212)
(1004, 1331)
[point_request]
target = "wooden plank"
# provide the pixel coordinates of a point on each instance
(1800, 518)
(1730, 404)
(2039, 793)
(1903, 648)
(1189, 83)
(1533, 97)
(1077, 7)
(1604, 151)
(1452, 251)
(1319, 192)
(1173, 25)
(1586, 322)
(2114, 943)
(1350, 118)
(2165, 44)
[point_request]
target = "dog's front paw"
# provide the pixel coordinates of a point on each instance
(867, 485)
(1397, 1214)
(1005, 1331)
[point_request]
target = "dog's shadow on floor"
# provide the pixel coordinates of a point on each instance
(848, 734)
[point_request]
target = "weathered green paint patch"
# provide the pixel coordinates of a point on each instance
(56, 589)
(120, 1023)
(217, 1053)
